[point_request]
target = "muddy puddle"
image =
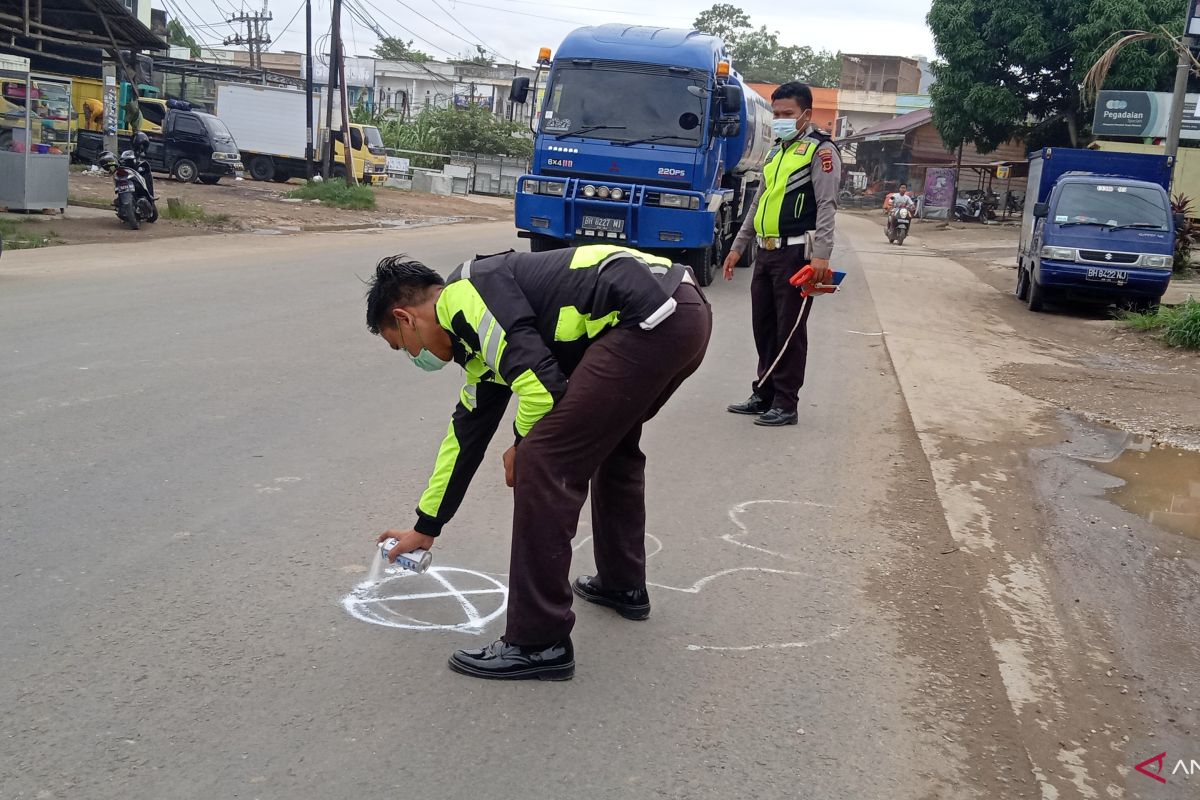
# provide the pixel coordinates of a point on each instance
(1161, 484)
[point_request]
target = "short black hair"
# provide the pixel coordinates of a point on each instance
(796, 91)
(903, 185)
(398, 281)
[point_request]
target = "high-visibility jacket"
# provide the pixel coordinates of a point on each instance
(787, 203)
(519, 323)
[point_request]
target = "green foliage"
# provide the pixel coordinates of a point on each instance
(759, 57)
(179, 37)
(481, 57)
(1179, 325)
(191, 212)
(337, 193)
(1004, 62)
(1185, 234)
(391, 48)
(24, 235)
(445, 130)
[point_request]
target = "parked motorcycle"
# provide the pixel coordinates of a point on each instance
(899, 221)
(133, 184)
(976, 206)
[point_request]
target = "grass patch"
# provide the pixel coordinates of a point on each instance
(336, 193)
(1178, 326)
(191, 212)
(25, 235)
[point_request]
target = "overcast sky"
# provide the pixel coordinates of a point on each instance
(517, 28)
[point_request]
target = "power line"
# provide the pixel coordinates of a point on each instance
(299, 8)
(471, 33)
(575, 8)
(370, 23)
(365, 19)
(436, 25)
(522, 13)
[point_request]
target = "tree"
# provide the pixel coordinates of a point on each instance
(760, 58)
(445, 130)
(391, 48)
(177, 36)
(1007, 62)
(481, 57)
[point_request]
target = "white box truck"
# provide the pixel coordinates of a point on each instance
(270, 125)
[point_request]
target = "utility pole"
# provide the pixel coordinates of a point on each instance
(308, 90)
(256, 35)
(335, 35)
(347, 139)
(1182, 71)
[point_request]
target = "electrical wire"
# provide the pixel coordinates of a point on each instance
(479, 39)
(299, 8)
(366, 20)
(440, 27)
(522, 13)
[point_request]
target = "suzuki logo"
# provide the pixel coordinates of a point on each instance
(1108, 256)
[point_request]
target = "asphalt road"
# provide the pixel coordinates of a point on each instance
(199, 443)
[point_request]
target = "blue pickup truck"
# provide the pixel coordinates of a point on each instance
(646, 137)
(1097, 227)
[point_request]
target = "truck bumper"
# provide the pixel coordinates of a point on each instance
(1098, 283)
(636, 220)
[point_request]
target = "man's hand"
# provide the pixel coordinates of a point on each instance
(822, 272)
(408, 541)
(510, 466)
(731, 261)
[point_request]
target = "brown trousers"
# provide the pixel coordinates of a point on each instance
(592, 435)
(775, 306)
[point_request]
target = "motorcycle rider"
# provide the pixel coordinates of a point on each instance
(895, 202)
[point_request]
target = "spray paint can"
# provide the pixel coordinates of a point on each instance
(417, 561)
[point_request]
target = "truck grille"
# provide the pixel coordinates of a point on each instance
(1105, 257)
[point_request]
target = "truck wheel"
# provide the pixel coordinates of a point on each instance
(185, 170)
(1022, 284)
(210, 180)
(703, 263)
(262, 168)
(1036, 294)
(281, 177)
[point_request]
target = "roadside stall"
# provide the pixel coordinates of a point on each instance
(35, 132)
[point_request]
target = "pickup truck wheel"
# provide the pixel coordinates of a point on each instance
(210, 180)
(1037, 295)
(281, 177)
(1022, 284)
(185, 171)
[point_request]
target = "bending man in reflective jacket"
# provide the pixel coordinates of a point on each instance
(593, 341)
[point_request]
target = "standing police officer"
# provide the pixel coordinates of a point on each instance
(792, 219)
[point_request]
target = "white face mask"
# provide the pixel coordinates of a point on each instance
(788, 129)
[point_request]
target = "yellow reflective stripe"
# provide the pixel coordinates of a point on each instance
(431, 500)
(593, 255)
(534, 401)
(573, 326)
(460, 296)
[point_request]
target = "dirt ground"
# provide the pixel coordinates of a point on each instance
(248, 206)
(1116, 376)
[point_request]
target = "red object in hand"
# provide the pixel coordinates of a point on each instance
(803, 280)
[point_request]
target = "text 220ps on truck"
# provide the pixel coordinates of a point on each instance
(645, 137)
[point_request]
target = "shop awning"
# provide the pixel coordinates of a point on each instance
(27, 25)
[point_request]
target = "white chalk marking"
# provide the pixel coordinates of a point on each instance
(700, 584)
(740, 508)
(867, 333)
(835, 633)
(367, 604)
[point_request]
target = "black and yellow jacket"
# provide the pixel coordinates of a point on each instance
(519, 324)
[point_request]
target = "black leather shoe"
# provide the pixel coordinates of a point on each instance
(510, 662)
(755, 405)
(777, 418)
(632, 604)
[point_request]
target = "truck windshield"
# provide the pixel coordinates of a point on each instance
(617, 105)
(1110, 205)
(373, 137)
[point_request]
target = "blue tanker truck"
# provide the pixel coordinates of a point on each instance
(643, 136)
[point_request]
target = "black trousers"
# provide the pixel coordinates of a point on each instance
(592, 437)
(776, 306)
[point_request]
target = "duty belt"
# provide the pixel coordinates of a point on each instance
(780, 242)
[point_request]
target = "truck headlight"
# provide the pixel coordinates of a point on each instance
(678, 201)
(532, 187)
(554, 188)
(589, 191)
(1158, 262)
(1059, 253)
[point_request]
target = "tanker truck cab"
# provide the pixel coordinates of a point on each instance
(645, 137)
(1101, 231)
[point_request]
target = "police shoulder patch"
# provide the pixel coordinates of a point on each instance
(826, 160)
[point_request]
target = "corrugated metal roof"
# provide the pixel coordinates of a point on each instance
(77, 22)
(901, 125)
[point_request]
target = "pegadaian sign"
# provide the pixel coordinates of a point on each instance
(1142, 115)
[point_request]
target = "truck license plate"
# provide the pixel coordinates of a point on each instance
(606, 224)
(1117, 276)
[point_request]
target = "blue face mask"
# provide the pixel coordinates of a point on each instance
(787, 129)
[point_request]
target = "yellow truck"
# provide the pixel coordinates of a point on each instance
(51, 114)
